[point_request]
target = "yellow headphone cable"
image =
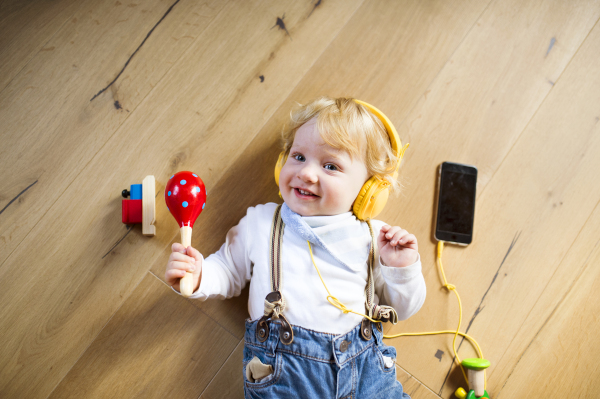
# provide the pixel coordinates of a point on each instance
(450, 287)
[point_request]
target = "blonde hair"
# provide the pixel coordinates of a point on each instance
(346, 125)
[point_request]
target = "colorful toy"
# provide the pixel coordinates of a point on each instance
(475, 373)
(185, 196)
(141, 206)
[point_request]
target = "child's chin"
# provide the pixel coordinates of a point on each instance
(302, 210)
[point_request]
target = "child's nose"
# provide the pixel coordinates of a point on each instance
(308, 174)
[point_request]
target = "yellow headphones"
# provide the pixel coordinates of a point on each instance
(373, 195)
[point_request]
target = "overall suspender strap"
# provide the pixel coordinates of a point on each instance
(275, 249)
(377, 312)
(366, 328)
(274, 302)
(370, 288)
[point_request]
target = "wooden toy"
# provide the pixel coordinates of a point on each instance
(475, 373)
(185, 196)
(141, 205)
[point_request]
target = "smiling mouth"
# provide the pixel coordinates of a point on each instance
(304, 194)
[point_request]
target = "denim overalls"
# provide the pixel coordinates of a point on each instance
(295, 362)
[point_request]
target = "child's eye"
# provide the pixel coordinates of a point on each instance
(331, 167)
(299, 157)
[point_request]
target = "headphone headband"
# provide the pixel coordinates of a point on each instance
(391, 130)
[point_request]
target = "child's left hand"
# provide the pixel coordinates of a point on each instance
(397, 248)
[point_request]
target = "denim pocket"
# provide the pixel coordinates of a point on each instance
(387, 358)
(250, 352)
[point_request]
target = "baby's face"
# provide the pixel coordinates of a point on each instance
(319, 180)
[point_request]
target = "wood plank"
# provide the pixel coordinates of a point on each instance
(155, 346)
(248, 188)
(414, 44)
(561, 358)
(229, 381)
(475, 112)
(51, 129)
(563, 181)
(413, 387)
(214, 89)
(25, 27)
(552, 191)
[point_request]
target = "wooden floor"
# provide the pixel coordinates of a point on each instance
(95, 95)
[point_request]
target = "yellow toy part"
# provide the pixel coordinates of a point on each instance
(374, 194)
(460, 393)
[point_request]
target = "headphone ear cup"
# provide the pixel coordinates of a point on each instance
(371, 199)
(378, 203)
(278, 166)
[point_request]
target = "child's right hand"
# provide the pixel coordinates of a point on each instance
(181, 260)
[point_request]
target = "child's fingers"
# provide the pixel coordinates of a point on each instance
(381, 239)
(194, 253)
(174, 275)
(179, 257)
(385, 228)
(403, 237)
(177, 265)
(177, 247)
(398, 235)
(389, 235)
(199, 260)
(407, 240)
(181, 263)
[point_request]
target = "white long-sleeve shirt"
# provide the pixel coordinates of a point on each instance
(245, 257)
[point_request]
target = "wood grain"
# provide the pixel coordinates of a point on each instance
(229, 381)
(557, 237)
(155, 346)
(495, 72)
(509, 86)
(104, 268)
(25, 27)
(412, 386)
(560, 351)
(51, 129)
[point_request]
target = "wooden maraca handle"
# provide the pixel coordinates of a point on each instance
(186, 284)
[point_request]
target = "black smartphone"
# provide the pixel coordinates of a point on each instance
(457, 184)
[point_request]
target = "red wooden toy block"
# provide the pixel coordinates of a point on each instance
(141, 207)
(132, 211)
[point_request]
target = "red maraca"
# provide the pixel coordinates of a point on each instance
(185, 196)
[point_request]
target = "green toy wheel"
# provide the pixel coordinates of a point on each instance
(476, 364)
(471, 395)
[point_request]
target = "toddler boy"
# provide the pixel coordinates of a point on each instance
(312, 252)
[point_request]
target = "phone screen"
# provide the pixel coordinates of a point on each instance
(456, 203)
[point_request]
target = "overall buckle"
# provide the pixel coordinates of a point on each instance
(366, 329)
(286, 334)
